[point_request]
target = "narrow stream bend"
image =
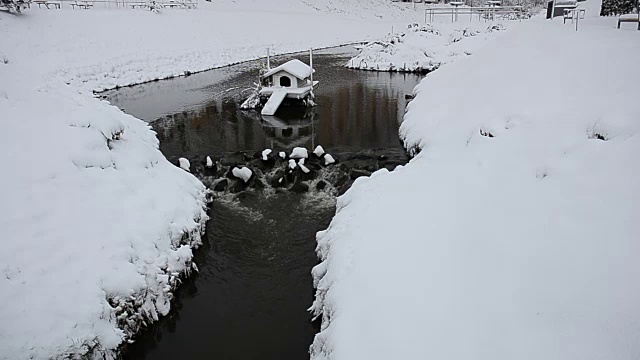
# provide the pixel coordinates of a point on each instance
(250, 298)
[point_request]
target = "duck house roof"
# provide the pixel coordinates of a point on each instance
(294, 67)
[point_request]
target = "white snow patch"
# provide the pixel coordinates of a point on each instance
(318, 151)
(328, 159)
(242, 173)
(299, 153)
(265, 154)
(184, 164)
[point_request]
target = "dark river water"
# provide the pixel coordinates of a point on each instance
(250, 298)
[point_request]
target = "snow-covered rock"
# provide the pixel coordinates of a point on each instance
(265, 154)
(328, 159)
(299, 153)
(318, 151)
(282, 155)
(209, 163)
(292, 164)
(301, 161)
(304, 168)
(243, 173)
(184, 164)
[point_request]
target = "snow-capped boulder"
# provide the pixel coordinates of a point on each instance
(265, 154)
(282, 154)
(292, 164)
(299, 153)
(184, 164)
(304, 168)
(209, 163)
(242, 173)
(318, 151)
(328, 159)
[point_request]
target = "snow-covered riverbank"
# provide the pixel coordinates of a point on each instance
(513, 233)
(96, 224)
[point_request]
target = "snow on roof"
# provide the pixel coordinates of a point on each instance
(294, 67)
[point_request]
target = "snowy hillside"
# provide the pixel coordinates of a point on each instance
(513, 233)
(96, 224)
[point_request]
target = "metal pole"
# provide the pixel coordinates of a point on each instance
(268, 60)
(311, 66)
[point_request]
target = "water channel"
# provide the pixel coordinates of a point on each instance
(250, 298)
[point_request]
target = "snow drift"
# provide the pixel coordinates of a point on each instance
(513, 233)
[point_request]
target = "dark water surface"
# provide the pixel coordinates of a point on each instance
(250, 297)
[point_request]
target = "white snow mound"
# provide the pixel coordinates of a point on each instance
(242, 173)
(299, 153)
(184, 164)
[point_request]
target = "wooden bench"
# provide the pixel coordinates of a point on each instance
(629, 18)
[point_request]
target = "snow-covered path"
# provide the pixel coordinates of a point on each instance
(513, 234)
(95, 224)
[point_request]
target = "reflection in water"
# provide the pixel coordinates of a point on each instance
(250, 298)
(356, 110)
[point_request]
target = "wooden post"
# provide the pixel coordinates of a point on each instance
(311, 66)
(268, 60)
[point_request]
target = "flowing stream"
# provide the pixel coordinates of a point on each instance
(250, 297)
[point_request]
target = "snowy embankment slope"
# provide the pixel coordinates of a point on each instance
(96, 225)
(423, 48)
(519, 244)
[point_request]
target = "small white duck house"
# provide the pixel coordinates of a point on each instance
(293, 80)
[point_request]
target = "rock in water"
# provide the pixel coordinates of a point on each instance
(242, 173)
(328, 159)
(265, 154)
(321, 185)
(184, 164)
(300, 187)
(318, 151)
(221, 185)
(299, 153)
(356, 173)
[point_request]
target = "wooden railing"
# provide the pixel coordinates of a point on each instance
(115, 4)
(488, 12)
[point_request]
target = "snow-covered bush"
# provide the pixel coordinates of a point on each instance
(14, 5)
(153, 6)
(617, 7)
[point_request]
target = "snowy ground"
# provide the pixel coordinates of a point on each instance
(513, 233)
(424, 47)
(95, 224)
